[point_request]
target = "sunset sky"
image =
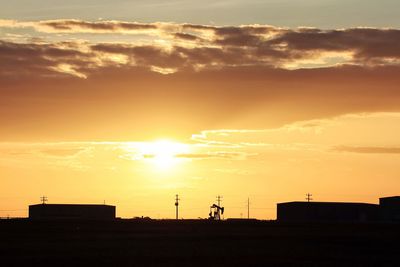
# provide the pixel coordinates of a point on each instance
(132, 102)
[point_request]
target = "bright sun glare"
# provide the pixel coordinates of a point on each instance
(163, 153)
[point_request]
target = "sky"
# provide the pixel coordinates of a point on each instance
(132, 102)
(289, 13)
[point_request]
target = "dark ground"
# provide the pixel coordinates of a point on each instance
(196, 243)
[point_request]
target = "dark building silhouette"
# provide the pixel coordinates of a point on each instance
(327, 212)
(390, 208)
(71, 211)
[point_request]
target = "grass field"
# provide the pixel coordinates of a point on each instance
(196, 243)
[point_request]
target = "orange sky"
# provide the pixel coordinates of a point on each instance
(134, 113)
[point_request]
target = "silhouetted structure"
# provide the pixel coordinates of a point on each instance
(248, 208)
(176, 206)
(43, 199)
(390, 208)
(71, 211)
(327, 212)
(215, 212)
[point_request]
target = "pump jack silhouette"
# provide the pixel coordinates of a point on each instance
(215, 212)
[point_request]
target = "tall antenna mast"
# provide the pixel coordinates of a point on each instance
(308, 197)
(176, 206)
(219, 199)
(248, 208)
(43, 199)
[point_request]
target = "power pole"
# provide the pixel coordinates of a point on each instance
(43, 199)
(219, 199)
(308, 197)
(176, 206)
(248, 208)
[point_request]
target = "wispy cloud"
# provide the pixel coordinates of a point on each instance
(217, 155)
(368, 150)
(80, 26)
(314, 135)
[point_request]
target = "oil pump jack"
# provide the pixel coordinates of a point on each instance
(215, 212)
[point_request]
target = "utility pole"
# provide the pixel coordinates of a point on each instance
(43, 199)
(308, 197)
(176, 206)
(248, 208)
(219, 199)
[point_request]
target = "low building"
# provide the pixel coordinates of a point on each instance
(71, 212)
(299, 211)
(390, 209)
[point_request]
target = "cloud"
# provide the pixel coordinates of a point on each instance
(186, 36)
(233, 171)
(84, 155)
(183, 46)
(80, 26)
(138, 103)
(195, 156)
(357, 131)
(368, 150)
(189, 78)
(21, 59)
(50, 149)
(62, 152)
(98, 26)
(365, 43)
(216, 155)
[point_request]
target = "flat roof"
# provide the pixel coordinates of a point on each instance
(393, 197)
(324, 203)
(71, 205)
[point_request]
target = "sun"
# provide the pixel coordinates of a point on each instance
(163, 153)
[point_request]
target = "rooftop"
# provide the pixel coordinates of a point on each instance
(325, 203)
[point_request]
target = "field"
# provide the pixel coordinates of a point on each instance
(196, 243)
